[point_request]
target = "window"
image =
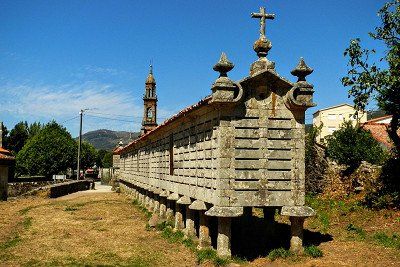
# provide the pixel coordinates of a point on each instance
(149, 113)
(332, 117)
(340, 117)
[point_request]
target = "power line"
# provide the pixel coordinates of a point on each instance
(70, 119)
(112, 119)
(117, 115)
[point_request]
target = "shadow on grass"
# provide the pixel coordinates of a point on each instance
(254, 237)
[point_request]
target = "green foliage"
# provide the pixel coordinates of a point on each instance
(27, 222)
(104, 158)
(387, 241)
(209, 254)
(279, 253)
(51, 151)
(367, 81)
(351, 144)
(20, 134)
(107, 160)
(324, 220)
(313, 251)
(387, 193)
(5, 136)
(88, 155)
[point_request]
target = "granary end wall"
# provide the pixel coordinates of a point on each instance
(250, 153)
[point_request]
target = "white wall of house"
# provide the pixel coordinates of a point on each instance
(333, 117)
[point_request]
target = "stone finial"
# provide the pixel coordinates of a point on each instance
(223, 88)
(301, 71)
(300, 97)
(223, 66)
(120, 144)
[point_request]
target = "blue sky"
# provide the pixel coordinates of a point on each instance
(60, 56)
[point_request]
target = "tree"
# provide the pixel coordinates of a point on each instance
(107, 160)
(4, 136)
(34, 129)
(351, 144)
(51, 151)
(367, 81)
(18, 137)
(88, 155)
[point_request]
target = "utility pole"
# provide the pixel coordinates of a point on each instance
(79, 145)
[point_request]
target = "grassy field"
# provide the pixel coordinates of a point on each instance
(109, 229)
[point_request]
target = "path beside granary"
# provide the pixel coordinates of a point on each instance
(101, 227)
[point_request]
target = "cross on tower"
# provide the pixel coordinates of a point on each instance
(262, 16)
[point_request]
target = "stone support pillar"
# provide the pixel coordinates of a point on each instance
(163, 209)
(190, 230)
(297, 215)
(155, 217)
(224, 237)
(179, 225)
(296, 240)
(204, 231)
(170, 211)
(3, 182)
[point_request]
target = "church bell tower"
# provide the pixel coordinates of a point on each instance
(150, 104)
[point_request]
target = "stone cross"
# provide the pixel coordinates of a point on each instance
(262, 16)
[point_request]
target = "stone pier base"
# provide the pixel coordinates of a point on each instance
(224, 237)
(204, 232)
(179, 225)
(190, 230)
(296, 240)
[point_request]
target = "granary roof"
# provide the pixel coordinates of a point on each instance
(205, 101)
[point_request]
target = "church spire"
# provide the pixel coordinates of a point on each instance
(150, 103)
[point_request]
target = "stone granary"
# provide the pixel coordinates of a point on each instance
(239, 148)
(6, 161)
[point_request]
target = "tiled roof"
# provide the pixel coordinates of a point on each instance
(379, 132)
(378, 119)
(205, 101)
(5, 154)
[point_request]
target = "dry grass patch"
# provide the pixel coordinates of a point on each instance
(97, 229)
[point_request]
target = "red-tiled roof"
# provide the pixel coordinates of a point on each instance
(379, 132)
(5, 154)
(183, 112)
(378, 119)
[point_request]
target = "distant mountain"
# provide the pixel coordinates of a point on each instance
(107, 139)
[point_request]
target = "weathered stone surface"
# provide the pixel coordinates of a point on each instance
(173, 196)
(198, 205)
(184, 201)
(297, 211)
(225, 211)
(224, 237)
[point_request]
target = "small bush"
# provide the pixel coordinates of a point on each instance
(279, 253)
(313, 251)
(351, 144)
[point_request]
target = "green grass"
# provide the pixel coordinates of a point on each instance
(10, 243)
(387, 241)
(25, 210)
(358, 231)
(210, 254)
(27, 222)
(313, 251)
(279, 253)
(71, 208)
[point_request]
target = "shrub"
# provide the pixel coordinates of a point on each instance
(351, 144)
